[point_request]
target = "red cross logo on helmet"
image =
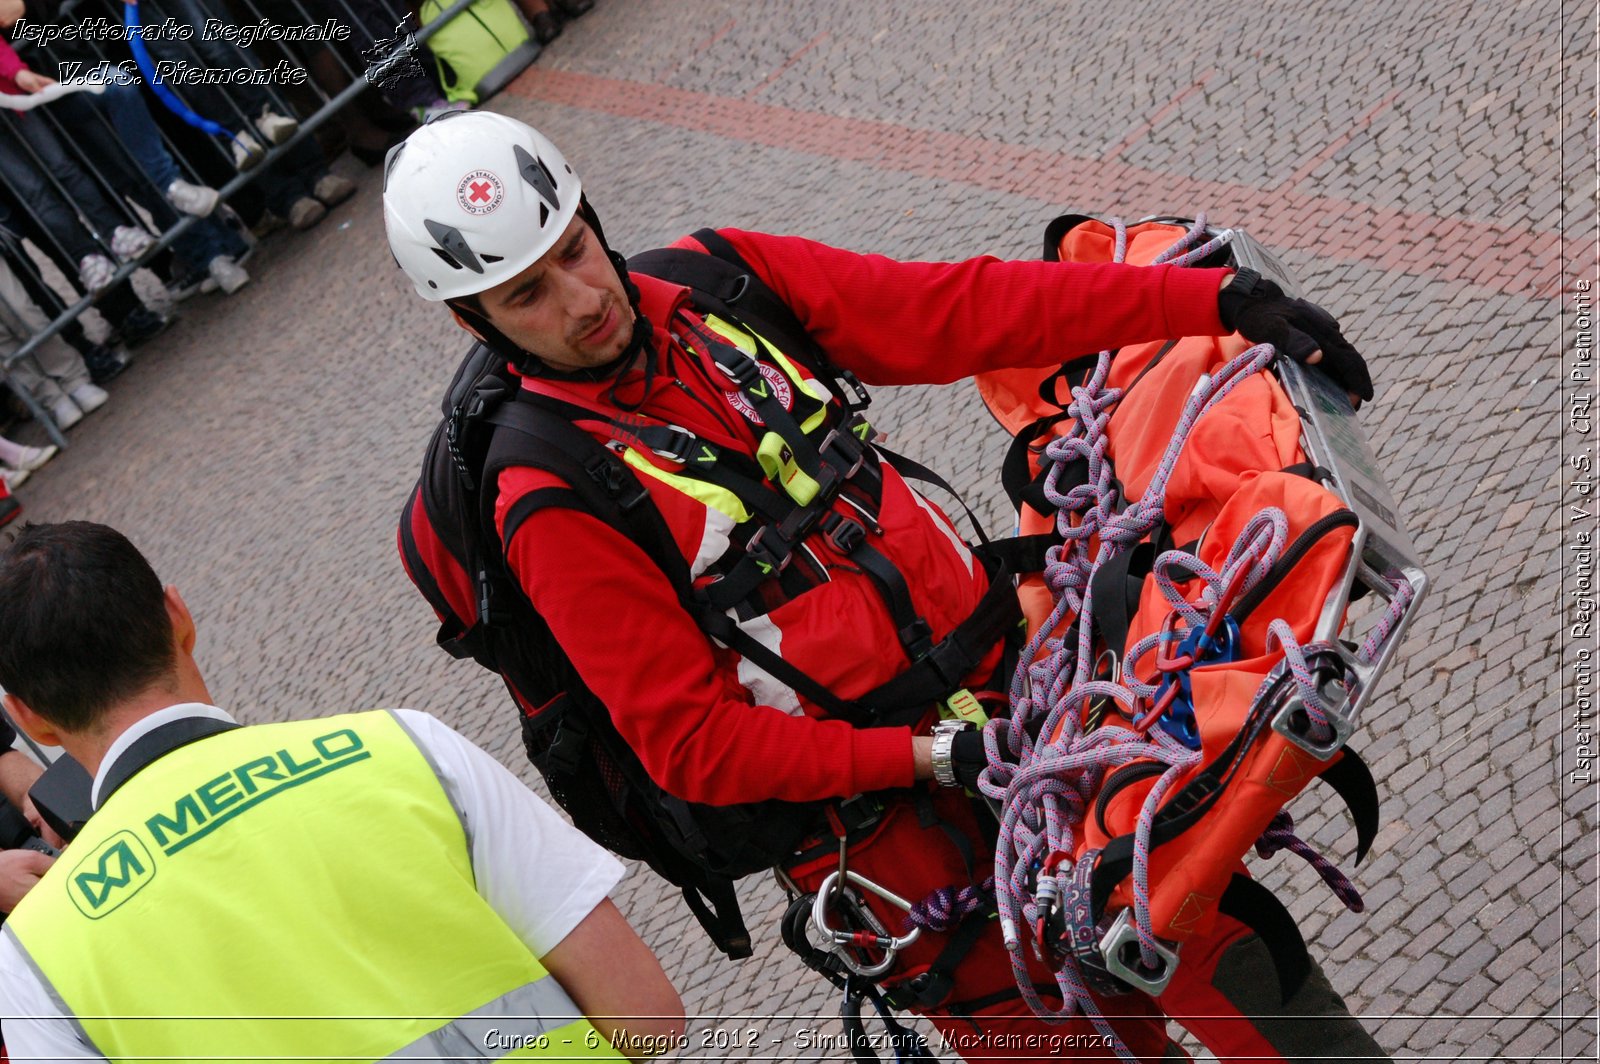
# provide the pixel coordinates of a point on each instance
(479, 192)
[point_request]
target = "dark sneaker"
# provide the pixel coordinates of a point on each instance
(104, 363)
(546, 26)
(10, 510)
(572, 8)
(141, 325)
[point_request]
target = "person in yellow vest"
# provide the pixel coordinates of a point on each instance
(358, 887)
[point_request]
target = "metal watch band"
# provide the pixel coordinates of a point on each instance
(944, 737)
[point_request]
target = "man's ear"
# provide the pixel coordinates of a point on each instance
(467, 325)
(37, 728)
(183, 631)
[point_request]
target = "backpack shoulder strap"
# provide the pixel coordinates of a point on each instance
(540, 433)
(725, 284)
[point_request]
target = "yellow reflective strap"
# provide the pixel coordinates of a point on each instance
(964, 704)
(731, 333)
(709, 495)
(810, 385)
(777, 461)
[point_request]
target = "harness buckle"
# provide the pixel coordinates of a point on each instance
(773, 559)
(850, 449)
(845, 533)
(606, 471)
(736, 365)
(859, 399)
(671, 441)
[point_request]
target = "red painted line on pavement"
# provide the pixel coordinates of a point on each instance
(1334, 146)
(1518, 260)
(717, 36)
(1150, 123)
(787, 63)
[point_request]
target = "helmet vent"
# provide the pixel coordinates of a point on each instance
(493, 258)
(445, 258)
(544, 215)
(535, 173)
(453, 247)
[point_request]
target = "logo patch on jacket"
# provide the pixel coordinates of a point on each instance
(480, 192)
(777, 384)
(116, 871)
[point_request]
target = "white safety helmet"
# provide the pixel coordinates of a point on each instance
(472, 199)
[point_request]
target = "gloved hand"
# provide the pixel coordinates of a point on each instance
(968, 759)
(1257, 309)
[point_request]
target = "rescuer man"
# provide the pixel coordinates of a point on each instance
(486, 215)
(355, 887)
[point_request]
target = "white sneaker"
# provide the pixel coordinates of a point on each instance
(89, 397)
(247, 151)
(226, 275)
(32, 458)
(275, 127)
(128, 242)
(198, 200)
(333, 189)
(12, 477)
(65, 413)
(96, 271)
(306, 212)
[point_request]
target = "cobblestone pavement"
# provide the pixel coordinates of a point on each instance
(1406, 160)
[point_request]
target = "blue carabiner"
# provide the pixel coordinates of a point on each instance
(1179, 720)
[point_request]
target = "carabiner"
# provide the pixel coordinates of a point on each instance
(890, 944)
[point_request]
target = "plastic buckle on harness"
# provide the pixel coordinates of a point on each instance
(850, 448)
(891, 945)
(845, 533)
(855, 814)
(859, 399)
(773, 558)
(609, 472)
(736, 365)
(1293, 720)
(675, 443)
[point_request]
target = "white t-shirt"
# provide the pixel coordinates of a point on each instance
(540, 874)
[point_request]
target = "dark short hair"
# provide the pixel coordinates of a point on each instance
(83, 622)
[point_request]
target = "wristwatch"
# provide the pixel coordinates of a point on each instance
(944, 737)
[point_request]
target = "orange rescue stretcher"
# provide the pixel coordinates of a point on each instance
(1191, 665)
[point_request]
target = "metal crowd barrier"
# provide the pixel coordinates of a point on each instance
(382, 54)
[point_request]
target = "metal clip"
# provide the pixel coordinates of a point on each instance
(1120, 948)
(890, 944)
(1293, 720)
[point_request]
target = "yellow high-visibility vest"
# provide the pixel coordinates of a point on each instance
(295, 891)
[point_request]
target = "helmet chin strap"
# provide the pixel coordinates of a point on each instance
(529, 362)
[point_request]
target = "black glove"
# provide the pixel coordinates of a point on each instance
(967, 758)
(1257, 309)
